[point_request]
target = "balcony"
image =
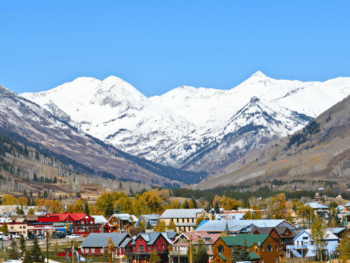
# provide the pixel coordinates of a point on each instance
(178, 253)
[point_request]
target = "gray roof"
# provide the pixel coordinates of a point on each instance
(125, 242)
(237, 225)
(101, 239)
(151, 237)
(100, 219)
(316, 205)
(126, 217)
(336, 230)
(151, 216)
(181, 213)
(347, 205)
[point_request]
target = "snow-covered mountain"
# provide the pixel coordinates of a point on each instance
(194, 128)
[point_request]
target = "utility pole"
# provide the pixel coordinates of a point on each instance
(190, 254)
(47, 246)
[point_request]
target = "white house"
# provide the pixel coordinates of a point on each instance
(304, 245)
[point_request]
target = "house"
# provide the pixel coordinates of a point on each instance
(320, 209)
(119, 221)
(338, 231)
(81, 223)
(184, 219)
(145, 243)
(263, 248)
(182, 242)
(282, 235)
(96, 243)
(241, 226)
(151, 219)
(100, 222)
(230, 215)
(304, 246)
(15, 226)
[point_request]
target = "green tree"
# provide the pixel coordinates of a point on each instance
(36, 253)
(235, 254)
(245, 253)
(317, 236)
(86, 209)
(13, 252)
(149, 226)
(109, 210)
(185, 205)
(199, 253)
(217, 208)
(154, 257)
(45, 194)
(22, 243)
(172, 225)
(160, 227)
(5, 229)
(54, 180)
(28, 257)
(194, 203)
(35, 178)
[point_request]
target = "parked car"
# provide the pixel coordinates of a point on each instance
(72, 236)
(16, 236)
(4, 237)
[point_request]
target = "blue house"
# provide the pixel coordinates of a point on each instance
(152, 219)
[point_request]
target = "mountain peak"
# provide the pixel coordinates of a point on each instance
(254, 99)
(259, 74)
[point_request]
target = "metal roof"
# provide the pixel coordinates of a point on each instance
(237, 225)
(250, 239)
(101, 239)
(100, 219)
(126, 242)
(126, 217)
(181, 213)
(347, 205)
(336, 230)
(151, 237)
(151, 216)
(316, 205)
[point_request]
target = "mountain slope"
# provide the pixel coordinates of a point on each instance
(319, 151)
(186, 127)
(23, 117)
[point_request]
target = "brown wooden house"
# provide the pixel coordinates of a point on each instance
(283, 235)
(263, 248)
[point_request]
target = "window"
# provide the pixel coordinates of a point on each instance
(92, 250)
(269, 248)
(102, 250)
(140, 248)
(276, 260)
(220, 249)
(262, 248)
(256, 248)
(177, 220)
(276, 247)
(262, 260)
(305, 237)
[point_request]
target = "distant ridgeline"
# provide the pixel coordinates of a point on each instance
(299, 138)
(186, 177)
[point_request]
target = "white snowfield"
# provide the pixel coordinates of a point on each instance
(171, 127)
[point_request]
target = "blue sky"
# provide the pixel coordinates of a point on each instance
(159, 45)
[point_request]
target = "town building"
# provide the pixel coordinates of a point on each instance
(145, 243)
(120, 221)
(182, 243)
(151, 219)
(96, 243)
(263, 248)
(185, 219)
(304, 246)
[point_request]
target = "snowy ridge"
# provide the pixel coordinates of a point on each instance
(183, 126)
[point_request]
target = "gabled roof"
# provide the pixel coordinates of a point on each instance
(100, 219)
(198, 235)
(336, 230)
(347, 205)
(239, 239)
(181, 213)
(151, 237)
(327, 236)
(316, 205)
(267, 230)
(125, 217)
(101, 239)
(126, 242)
(151, 216)
(238, 225)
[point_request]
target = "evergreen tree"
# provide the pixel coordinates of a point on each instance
(45, 194)
(28, 258)
(5, 229)
(13, 252)
(117, 209)
(194, 203)
(54, 180)
(217, 208)
(86, 209)
(26, 152)
(227, 230)
(235, 254)
(35, 178)
(109, 210)
(37, 155)
(22, 243)
(208, 207)
(199, 253)
(185, 205)
(36, 253)
(148, 226)
(245, 253)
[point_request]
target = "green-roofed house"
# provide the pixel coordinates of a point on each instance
(263, 248)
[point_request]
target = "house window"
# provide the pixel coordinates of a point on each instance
(269, 248)
(92, 250)
(276, 247)
(177, 220)
(262, 260)
(256, 248)
(262, 248)
(220, 249)
(102, 250)
(276, 260)
(140, 248)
